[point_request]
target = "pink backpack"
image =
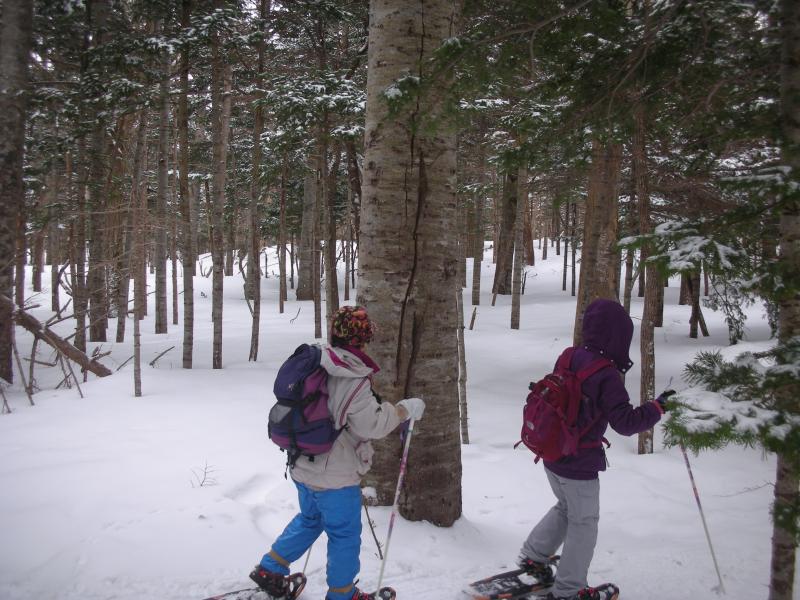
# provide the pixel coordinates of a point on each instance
(550, 415)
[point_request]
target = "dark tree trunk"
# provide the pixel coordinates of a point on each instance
(599, 257)
(185, 237)
(787, 477)
(15, 41)
(505, 255)
(160, 258)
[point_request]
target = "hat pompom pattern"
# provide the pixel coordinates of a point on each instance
(352, 326)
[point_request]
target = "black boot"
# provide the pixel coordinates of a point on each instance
(277, 586)
(542, 572)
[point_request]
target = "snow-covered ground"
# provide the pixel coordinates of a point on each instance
(177, 494)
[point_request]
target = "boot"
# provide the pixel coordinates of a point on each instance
(276, 585)
(542, 572)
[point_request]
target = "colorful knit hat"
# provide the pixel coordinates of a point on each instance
(350, 325)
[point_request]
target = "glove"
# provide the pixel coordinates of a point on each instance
(414, 407)
(663, 398)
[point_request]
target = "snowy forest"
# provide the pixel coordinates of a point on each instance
(190, 188)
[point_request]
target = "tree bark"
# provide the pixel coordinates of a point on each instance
(505, 254)
(54, 238)
(305, 250)
(646, 270)
(220, 118)
(253, 264)
(96, 280)
(480, 201)
(126, 262)
(160, 258)
(787, 478)
(15, 41)
(185, 237)
(409, 257)
(519, 250)
(282, 293)
(599, 257)
(462, 369)
(331, 276)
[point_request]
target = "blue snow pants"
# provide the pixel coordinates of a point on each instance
(337, 513)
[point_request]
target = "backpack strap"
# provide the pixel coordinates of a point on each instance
(582, 375)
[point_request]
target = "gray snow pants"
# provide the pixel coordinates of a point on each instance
(572, 522)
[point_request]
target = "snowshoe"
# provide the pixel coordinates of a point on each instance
(385, 593)
(606, 591)
(516, 583)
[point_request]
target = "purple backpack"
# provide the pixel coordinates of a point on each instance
(550, 416)
(300, 422)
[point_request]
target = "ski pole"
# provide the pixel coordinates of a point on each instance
(400, 478)
(702, 517)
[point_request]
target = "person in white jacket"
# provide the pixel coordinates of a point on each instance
(328, 486)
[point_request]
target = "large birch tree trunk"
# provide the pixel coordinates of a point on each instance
(409, 257)
(15, 41)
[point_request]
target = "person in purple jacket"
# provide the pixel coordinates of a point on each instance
(607, 332)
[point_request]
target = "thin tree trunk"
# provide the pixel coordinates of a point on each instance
(127, 259)
(54, 238)
(462, 369)
(185, 236)
(477, 253)
(574, 238)
(566, 247)
(331, 276)
(79, 299)
(693, 282)
(253, 265)
(20, 255)
(505, 259)
(545, 226)
(37, 250)
(305, 251)
(220, 118)
(282, 294)
(160, 258)
(519, 251)
(316, 250)
(647, 270)
(348, 242)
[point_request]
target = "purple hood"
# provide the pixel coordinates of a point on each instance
(608, 330)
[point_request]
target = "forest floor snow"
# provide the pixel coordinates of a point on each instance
(176, 495)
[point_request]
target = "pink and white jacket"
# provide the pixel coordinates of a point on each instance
(357, 410)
